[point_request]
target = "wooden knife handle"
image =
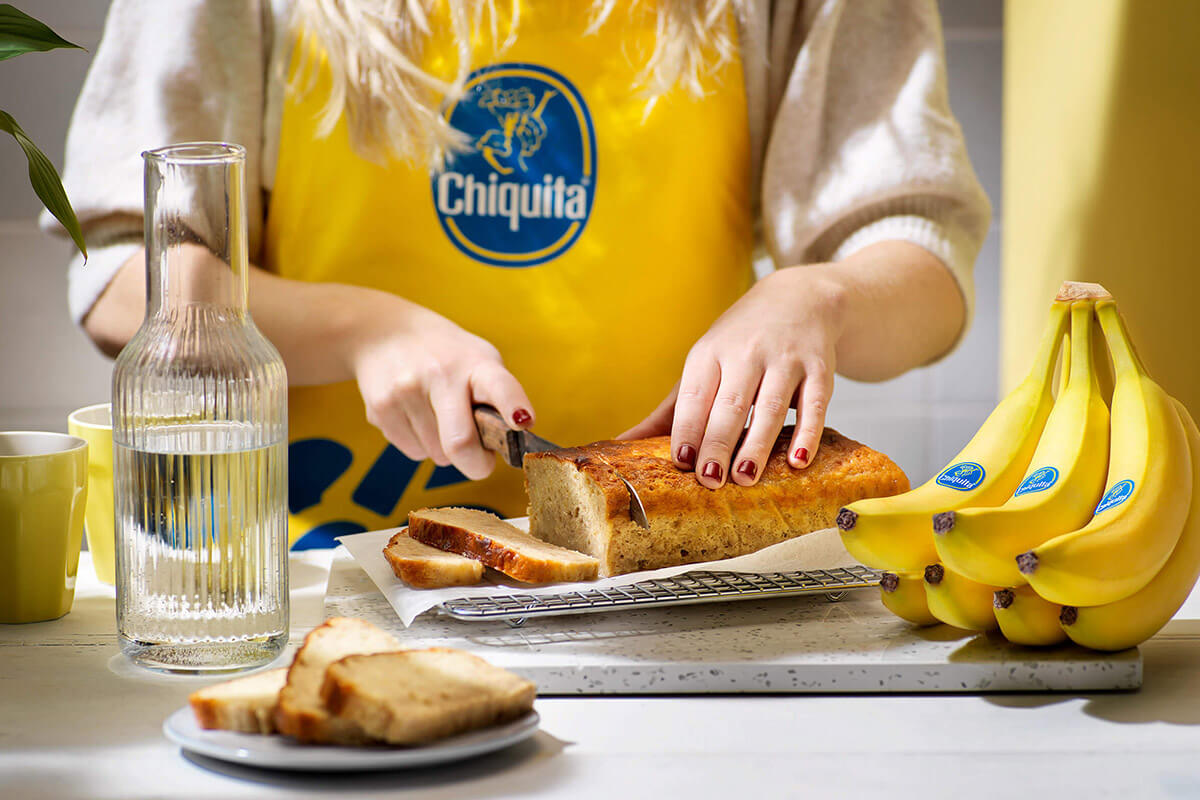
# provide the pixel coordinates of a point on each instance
(495, 433)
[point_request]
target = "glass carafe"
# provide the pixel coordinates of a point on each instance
(199, 434)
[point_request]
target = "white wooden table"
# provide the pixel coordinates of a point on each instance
(76, 721)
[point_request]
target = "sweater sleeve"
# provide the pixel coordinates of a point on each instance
(164, 73)
(863, 147)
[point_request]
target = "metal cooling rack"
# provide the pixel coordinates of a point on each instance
(686, 589)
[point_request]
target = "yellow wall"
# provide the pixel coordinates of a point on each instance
(1102, 173)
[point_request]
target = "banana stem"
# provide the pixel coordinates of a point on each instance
(1124, 357)
(1047, 355)
(1077, 290)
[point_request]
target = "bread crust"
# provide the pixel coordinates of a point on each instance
(210, 717)
(690, 523)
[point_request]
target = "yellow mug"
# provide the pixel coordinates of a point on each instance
(43, 491)
(93, 424)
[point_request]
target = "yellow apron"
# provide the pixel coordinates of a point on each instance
(590, 238)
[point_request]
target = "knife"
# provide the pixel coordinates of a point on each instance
(512, 446)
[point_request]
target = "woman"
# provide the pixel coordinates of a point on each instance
(551, 209)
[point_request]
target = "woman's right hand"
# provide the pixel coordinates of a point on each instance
(420, 376)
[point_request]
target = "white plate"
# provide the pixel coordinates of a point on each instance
(281, 752)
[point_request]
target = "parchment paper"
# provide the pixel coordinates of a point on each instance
(817, 550)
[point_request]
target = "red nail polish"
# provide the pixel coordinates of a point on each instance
(686, 455)
(522, 417)
(747, 468)
(712, 470)
(802, 455)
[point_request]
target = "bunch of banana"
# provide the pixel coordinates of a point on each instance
(894, 532)
(1140, 516)
(1093, 510)
(1059, 491)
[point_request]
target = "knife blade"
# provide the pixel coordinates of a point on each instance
(512, 445)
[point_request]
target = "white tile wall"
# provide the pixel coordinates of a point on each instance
(962, 15)
(47, 367)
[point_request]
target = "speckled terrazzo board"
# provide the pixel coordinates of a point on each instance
(795, 645)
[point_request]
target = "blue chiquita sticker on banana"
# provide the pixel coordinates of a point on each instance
(1038, 481)
(963, 476)
(1118, 493)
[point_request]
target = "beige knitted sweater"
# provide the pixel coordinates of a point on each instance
(852, 137)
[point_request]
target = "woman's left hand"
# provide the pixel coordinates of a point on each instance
(774, 349)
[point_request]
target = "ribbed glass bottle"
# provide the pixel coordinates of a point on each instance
(199, 434)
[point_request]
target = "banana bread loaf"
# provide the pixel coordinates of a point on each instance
(577, 501)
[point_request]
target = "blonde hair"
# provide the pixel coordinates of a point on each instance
(392, 106)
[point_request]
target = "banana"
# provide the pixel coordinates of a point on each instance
(1058, 493)
(1140, 516)
(957, 601)
(1135, 619)
(903, 593)
(894, 533)
(1026, 618)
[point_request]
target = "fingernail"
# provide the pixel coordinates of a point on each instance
(521, 416)
(747, 468)
(712, 470)
(686, 455)
(802, 455)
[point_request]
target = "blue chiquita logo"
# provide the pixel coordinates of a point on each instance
(963, 476)
(1038, 481)
(1118, 493)
(523, 194)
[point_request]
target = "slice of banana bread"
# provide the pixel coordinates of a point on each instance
(244, 704)
(427, 567)
(417, 696)
(300, 713)
(499, 545)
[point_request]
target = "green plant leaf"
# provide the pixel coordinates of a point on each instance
(21, 33)
(45, 181)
